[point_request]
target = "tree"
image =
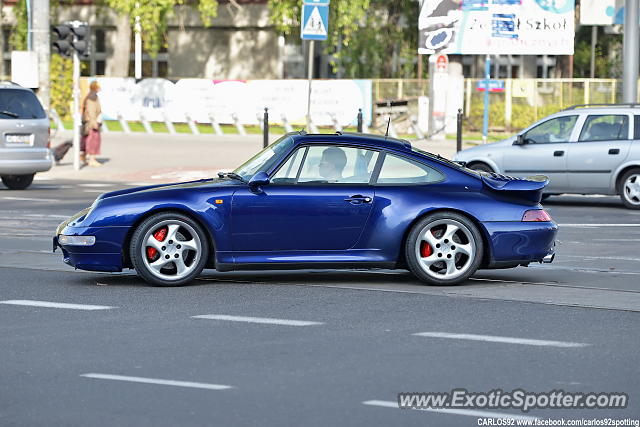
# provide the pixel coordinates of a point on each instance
(367, 38)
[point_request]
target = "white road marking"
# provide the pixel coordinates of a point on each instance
(30, 199)
(139, 184)
(598, 225)
(93, 191)
(48, 304)
(505, 340)
(263, 320)
(157, 381)
(618, 258)
(47, 216)
(467, 412)
(95, 185)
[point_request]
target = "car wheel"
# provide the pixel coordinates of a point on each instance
(17, 182)
(629, 189)
(444, 248)
(483, 167)
(169, 249)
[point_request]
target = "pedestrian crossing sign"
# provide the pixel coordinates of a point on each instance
(315, 20)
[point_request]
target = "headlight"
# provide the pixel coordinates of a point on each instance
(76, 240)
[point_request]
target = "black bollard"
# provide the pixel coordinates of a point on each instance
(359, 120)
(459, 131)
(265, 128)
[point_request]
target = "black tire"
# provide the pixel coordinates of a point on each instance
(468, 264)
(481, 167)
(138, 249)
(545, 197)
(17, 182)
(631, 201)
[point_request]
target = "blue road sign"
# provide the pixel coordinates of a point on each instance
(494, 85)
(315, 20)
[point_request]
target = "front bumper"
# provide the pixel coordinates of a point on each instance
(105, 255)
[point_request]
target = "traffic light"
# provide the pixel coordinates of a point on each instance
(72, 36)
(64, 39)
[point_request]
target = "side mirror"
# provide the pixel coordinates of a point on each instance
(519, 140)
(258, 180)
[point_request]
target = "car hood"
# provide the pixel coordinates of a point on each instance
(209, 182)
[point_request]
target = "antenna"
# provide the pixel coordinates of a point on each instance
(386, 134)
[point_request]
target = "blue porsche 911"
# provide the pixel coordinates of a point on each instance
(315, 202)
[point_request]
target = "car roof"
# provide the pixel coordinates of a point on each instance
(602, 108)
(369, 140)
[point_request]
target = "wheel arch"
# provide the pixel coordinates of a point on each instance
(620, 173)
(482, 162)
(126, 256)
(486, 251)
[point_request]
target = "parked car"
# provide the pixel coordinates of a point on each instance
(24, 140)
(318, 201)
(584, 149)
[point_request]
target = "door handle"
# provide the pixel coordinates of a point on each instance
(614, 151)
(558, 153)
(358, 199)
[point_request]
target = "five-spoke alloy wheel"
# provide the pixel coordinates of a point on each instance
(169, 249)
(629, 189)
(444, 248)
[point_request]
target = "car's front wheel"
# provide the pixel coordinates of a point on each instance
(17, 182)
(444, 248)
(169, 249)
(483, 167)
(629, 189)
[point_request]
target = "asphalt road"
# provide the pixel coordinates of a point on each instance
(338, 345)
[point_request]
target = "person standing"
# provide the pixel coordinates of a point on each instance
(91, 123)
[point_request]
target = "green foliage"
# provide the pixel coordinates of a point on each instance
(61, 75)
(367, 38)
(154, 16)
(608, 62)
(18, 38)
(522, 115)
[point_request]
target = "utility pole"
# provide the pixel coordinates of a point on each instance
(310, 78)
(137, 28)
(630, 52)
(41, 40)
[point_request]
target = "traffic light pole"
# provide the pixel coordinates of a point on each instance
(77, 118)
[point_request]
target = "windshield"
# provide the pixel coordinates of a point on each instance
(20, 104)
(262, 161)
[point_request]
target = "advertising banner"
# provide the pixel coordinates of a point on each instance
(505, 27)
(602, 12)
(158, 99)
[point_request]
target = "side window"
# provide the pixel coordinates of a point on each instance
(289, 171)
(554, 130)
(339, 165)
(398, 170)
(636, 127)
(605, 128)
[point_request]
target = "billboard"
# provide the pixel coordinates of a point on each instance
(505, 27)
(602, 12)
(156, 99)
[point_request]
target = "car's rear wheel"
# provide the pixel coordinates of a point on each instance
(169, 249)
(481, 167)
(444, 248)
(17, 182)
(629, 189)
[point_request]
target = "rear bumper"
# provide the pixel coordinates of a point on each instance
(515, 243)
(105, 255)
(22, 161)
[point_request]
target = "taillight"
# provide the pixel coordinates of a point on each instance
(49, 138)
(536, 215)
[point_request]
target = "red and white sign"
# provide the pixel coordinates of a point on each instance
(442, 63)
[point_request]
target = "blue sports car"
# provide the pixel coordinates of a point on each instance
(319, 201)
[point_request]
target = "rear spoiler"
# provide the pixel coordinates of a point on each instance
(529, 189)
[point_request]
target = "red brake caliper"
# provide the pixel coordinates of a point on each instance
(425, 249)
(159, 235)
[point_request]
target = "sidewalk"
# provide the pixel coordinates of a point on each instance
(158, 158)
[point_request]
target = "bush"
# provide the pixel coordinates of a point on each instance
(61, 76)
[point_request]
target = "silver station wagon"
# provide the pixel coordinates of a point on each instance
(585, 149)
(24, 136)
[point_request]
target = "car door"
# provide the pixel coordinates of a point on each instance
(602, 146)
(544, 152)
(319, 199)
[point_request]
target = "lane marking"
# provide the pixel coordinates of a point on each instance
(47, 216)
(30, 199)
(615, 258)
(94, 191)
(262, 320)
(140, 184)
(95, 185)
(599, 225)
(143, 380)
(49, 304)
(504, 340)
(467, 412)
